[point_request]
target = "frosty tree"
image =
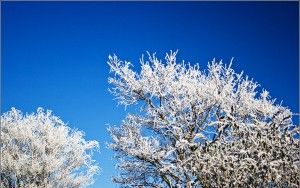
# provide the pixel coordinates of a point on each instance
(40, 150)
(200, 128)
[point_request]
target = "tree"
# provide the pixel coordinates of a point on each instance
(200, 128)
(40, 150)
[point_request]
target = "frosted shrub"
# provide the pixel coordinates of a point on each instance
(40, 150)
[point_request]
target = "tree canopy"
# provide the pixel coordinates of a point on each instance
(40, 150)
(199, 128)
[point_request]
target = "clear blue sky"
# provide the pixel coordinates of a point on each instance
(54, 53)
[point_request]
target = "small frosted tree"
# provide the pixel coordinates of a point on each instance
(200, 128)
(40, 150)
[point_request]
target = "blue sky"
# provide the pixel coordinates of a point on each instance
(54, 53)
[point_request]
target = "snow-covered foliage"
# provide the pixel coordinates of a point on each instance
(200, 128)
(40, 150)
